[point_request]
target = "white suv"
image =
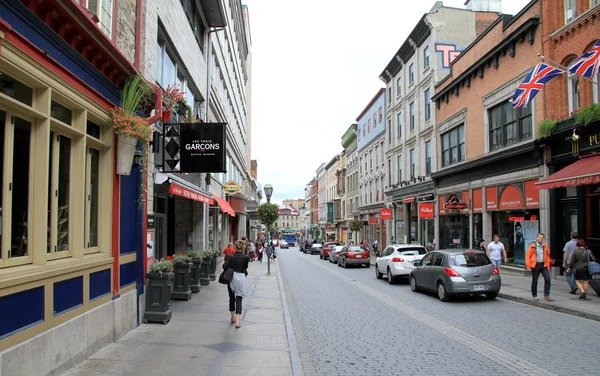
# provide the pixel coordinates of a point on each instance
(397, 260)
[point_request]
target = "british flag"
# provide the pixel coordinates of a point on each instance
(533, 83)
(588, 64)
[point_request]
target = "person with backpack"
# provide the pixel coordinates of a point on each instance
(579, 264)
(375, 248)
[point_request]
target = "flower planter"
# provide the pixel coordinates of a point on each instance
(195, 275)
(125, 152)
(205, 271)
(158, 297)
(212, 275)
(166, 115)
(181, 284)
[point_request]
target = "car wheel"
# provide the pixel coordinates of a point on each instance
(390, 277)
(339, 263)
(321, 257)
(345, 266)
(442, 293)
(377, 274)
(491, 295)
(413, 284)
(368, 265)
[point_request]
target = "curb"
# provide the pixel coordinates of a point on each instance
(551, 307)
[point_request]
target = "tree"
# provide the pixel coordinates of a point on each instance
(268, 214)
(356, 225)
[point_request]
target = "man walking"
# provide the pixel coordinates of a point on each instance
(496, 251)
(570, 247)
(539, 262)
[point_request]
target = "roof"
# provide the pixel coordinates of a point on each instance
(375, 98)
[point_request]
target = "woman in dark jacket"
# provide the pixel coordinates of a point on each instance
(579, 263)
(237, 287)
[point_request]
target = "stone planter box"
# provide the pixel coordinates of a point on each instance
(195, 275)
(158, 297)
(213, 268)
(181, 283)
(205, 271)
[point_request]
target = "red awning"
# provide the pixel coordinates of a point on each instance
(585, 171)
(181, 190)
(225, 207)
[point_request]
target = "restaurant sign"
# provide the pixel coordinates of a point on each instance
(231, 187)
(194, 147)
(454, 203)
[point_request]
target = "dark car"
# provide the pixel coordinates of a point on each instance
(315, 249)
(306, 247)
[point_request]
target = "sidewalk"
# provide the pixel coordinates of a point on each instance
(516, 285)
(200, 340)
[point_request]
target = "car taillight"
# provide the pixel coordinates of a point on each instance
(496, 270)
(451, 272)
(397, 259)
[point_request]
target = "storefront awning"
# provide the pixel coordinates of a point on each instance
(225, 207)
(585, 171)
(183, 188)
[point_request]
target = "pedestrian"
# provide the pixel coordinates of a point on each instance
(237, 287)
(270, 250)
(579, 268)
(539, 262)
(375, 247)
(229, 250)
(481, 245)
(568, 250)
(496, 251)
(260, 252)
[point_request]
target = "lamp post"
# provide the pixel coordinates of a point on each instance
(268, 192)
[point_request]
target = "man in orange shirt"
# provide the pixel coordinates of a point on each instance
(537, 259)
(229, 250)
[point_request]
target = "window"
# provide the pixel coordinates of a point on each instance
(398, 87)
(389, 172)
(364, 130)
(374, 120)
(59, 175)
(193, 15)
(570, 10)
(389, 131)
(371, 159)
(428, 158)
(102, 9)
(92, 199)
(411, 114)
(399, 125)
(573, 91)
(376, 156)
(399, 168)
(427, 105)
(389, 95)
(453, 146)
(380, 115)
(509, 125)
(166, 70)
(369, 129)
(595, 2)
(411, 74)
(426, 57)
(412, 164)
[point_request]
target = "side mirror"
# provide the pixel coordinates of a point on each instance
(416, 264)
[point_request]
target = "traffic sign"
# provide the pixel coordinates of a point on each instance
(258, 227)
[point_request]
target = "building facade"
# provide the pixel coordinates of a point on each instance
(314, 208)
(371, 149)
(351, 167)
(322, 200)
(331, 197)
(421, 62)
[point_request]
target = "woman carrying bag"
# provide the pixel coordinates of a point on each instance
(238, 262)
(579, 263)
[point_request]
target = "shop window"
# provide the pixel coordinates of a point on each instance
(18, 91)
(509, 125)
(454, 232)
(570, 10)
(92, 197)
(59, 175)
(453, 146)
(93, 129)
(60, 112)
(478, 231)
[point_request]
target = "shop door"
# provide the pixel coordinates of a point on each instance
(160, 241)
(570, 221)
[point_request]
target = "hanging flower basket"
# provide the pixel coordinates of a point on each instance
(125, 153)
(130, 129)
(171, 97)
(166, 115)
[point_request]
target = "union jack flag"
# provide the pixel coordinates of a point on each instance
(588, 64)
(533, 83)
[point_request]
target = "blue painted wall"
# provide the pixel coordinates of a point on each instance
(68, 294)
(376, 129)
(99, 284)
(127, 273)
(21, 310)
(129, 208)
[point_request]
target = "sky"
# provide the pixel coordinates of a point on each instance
(315, 67)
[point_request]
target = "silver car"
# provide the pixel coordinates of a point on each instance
(334, 253)
(456, 272)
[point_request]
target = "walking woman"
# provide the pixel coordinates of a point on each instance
(579, 263)
(237, 287)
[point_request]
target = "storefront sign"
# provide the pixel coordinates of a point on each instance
(465, 199)
(373, 220)
(426, 210)
(194, 147)
(426, 197)
(532, 195)
(385, 213)
(510, 198)
(409, 199)
(184, 192)
(582, 181)
(477, 200)
(442, 204)
(454, 203)
(231, 187)
(590, 142)
(491, 198)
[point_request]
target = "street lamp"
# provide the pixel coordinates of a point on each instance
(269, 192)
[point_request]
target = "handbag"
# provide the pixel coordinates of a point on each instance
(226, 276)
(593, 266)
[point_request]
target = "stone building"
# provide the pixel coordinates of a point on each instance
(351, 168)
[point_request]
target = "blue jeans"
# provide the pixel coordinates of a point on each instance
(570, 278)
(535, 273)
(496, 262)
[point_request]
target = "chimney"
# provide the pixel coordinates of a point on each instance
(484, 5)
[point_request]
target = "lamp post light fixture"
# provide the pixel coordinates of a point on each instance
(268, 193)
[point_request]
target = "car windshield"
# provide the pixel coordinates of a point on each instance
(412, 251)
(339, 248)
(469, 259)
(355, 249)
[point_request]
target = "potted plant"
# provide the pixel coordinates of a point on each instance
(195, 273)
(172, 96)
(213, 264)
(158, 292)
(129, 127)
(182, 266)
(206, 256)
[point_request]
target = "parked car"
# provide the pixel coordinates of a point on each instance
(315, 249)
(333, 254)
(354, 255)
(397, 260)
(327, 247)
(283, 245)
(306, 247)
(456, 272)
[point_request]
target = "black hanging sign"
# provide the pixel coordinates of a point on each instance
(194, 147)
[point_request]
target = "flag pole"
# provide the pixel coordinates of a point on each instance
(566, 69)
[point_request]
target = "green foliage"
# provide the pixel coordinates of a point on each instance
(181, 259)
(268, 213)
(205, 253)
(356, 225)
(546, 128)
(588, 114)
(194, 254)
(190, 115)
(134, 90)
(160, 267)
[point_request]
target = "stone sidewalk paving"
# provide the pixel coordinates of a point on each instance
(200, 340)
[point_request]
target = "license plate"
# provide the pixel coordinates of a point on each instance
(358, 256)
(479, 287)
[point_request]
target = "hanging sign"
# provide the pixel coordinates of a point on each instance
(231, 187)
(454, 203)
(385, 213)
(194, 147)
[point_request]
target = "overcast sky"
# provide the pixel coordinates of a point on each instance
(315, 66)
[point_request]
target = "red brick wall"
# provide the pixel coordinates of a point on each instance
(483, 20)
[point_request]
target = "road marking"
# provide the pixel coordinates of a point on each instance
(504, 358)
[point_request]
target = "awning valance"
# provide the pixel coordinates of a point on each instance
(225, 207)
(585, 171)
(183, 188)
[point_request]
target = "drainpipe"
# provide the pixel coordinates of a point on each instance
(139, 24)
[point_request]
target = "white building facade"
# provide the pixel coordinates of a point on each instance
(322, 199)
